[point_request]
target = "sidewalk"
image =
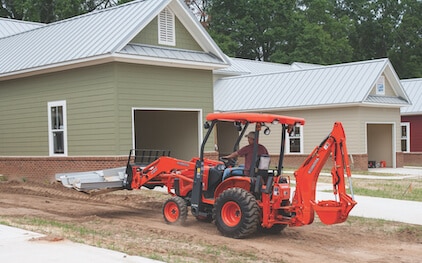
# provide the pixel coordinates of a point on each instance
(17, 246)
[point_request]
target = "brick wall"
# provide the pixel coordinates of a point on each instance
(412, 159)
(45, 168)
(359, 162)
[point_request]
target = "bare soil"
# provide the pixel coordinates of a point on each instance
(131, 222)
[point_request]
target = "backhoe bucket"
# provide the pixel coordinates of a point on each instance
(333, 212)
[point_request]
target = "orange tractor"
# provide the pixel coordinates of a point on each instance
(240, 205)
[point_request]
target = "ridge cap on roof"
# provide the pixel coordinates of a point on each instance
(384, 60)
(91, 13)
(21, 21)
(413, 79)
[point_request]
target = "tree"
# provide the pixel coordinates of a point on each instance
(47, 11)
(252, 29)
(323, 35)
(406, 50)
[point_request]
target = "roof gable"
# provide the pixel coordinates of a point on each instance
(413, 88)
(96, 37)
(343, 84)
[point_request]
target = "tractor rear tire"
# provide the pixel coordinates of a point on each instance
(236, 213)
(175, 210)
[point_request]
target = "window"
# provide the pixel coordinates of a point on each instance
(405, 137)
(380, 86)
(57, 128)
(166, 31)
(294, 141)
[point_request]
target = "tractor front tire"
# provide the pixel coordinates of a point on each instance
(175, 210)
(236, 213)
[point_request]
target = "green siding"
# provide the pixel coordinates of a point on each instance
(90, 97)
(141, 86)
(99, 102)
(149, 36)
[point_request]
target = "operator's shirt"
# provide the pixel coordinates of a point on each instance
(247, 152)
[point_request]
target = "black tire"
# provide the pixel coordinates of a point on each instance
(236, 213)
(175, 210)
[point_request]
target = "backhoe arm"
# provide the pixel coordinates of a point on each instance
(303, 203)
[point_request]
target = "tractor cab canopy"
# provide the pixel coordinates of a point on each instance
(255, 117)
(242, 121)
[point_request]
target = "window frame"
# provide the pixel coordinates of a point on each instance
(300, 137)
(380, 86)
(166, 28)
(63, 129)
(407, 137)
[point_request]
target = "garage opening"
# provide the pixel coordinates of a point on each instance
(173, 130)
(380, 145)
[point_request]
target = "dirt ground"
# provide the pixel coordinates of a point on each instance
(131, 222)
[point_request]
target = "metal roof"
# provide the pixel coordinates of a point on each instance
(10, 27)
(342, 84)
(169, 53)
(413, 88)
(241, 66)
(92, 36)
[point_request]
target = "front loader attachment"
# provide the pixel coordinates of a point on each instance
(333, 212)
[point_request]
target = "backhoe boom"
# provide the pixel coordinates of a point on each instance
(304, 203)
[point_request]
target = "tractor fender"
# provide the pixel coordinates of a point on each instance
(231, 182)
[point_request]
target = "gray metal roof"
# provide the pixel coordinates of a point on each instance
(413, 88)
(91, 36)
(10, 27)
(169, 53)
(241, 66)
(342, 84)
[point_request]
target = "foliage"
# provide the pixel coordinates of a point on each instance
(311, 31)
(321, 31)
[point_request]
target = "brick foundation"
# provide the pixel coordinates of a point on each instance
(412, 159)
(45, 168)
(359, 162)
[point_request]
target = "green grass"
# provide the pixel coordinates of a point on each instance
(404, 189)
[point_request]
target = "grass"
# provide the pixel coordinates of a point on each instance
(401, 189)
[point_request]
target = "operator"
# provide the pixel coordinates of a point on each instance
(247, 152)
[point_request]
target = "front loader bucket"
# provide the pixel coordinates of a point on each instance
(333, 212)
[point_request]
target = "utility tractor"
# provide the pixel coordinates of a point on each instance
(241, 205)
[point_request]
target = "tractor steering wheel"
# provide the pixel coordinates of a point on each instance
(228, 162)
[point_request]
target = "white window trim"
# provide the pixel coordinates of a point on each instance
(300, 139)
(50, 130)
(380, 86)
(166, 28)
(407, 138)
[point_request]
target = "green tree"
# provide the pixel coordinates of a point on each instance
(323, 36)
(406, 50)
(47, 11)
(252, 29)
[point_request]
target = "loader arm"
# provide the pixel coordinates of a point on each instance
(155, 171)
(303, 203)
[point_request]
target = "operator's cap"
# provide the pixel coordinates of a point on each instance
(250, 135)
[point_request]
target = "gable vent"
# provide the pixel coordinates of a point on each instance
(166, 32)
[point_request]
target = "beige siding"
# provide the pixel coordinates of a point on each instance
(319, 123)
(149, 36)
